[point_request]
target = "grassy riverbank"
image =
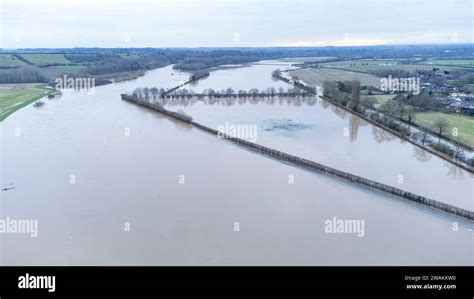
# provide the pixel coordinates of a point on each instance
(318, 75)
(463, 123)
(16, 96)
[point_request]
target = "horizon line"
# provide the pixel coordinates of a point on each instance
(248, 47)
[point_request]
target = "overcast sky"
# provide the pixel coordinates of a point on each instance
(230, 23)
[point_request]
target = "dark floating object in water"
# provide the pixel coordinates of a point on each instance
(38, 104)
(54, 94)
(8, 187)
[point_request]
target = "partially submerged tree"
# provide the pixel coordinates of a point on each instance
(276, 73)
(229, 92)
(155, 92)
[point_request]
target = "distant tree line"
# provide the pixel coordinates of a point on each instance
(114, 63)
(99, 61)
(200, 63)
(395, 73)
(24, 74)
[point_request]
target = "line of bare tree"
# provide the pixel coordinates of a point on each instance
(155, 93)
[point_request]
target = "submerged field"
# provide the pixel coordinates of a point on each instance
(16, 96)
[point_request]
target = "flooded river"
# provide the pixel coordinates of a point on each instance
(111, 183)
(324, 133)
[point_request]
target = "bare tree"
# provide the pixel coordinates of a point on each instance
(137, 93)
(271, 91)
(154, 92)
(355, 95)
(458, 151)
(229, 92)
(162, 91)
(401, 110)
(421, 136)
(410, 114)
(441, 124)
(254, 91)
(390, 107)
(147, 93)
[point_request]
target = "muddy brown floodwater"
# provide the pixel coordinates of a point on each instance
(182, 192)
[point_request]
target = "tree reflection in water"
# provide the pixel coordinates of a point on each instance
(354, 124)
(296, 101)
(455, 172)
(325, 104)
(421, 155)
(340, 112)
(381, 135)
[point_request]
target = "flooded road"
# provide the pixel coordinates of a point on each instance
(111, 183)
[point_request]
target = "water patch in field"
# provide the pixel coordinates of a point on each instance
(285, 126)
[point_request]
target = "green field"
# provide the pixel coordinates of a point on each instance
(470, 87)
(366, 65)
(461, 62)
(16, 96)
(464, 124)
(381, 98)
(59, 70)
(69, 68)
(45, 59)
(7, 60)
(129, 55)
(370, 65)
(319, 75)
